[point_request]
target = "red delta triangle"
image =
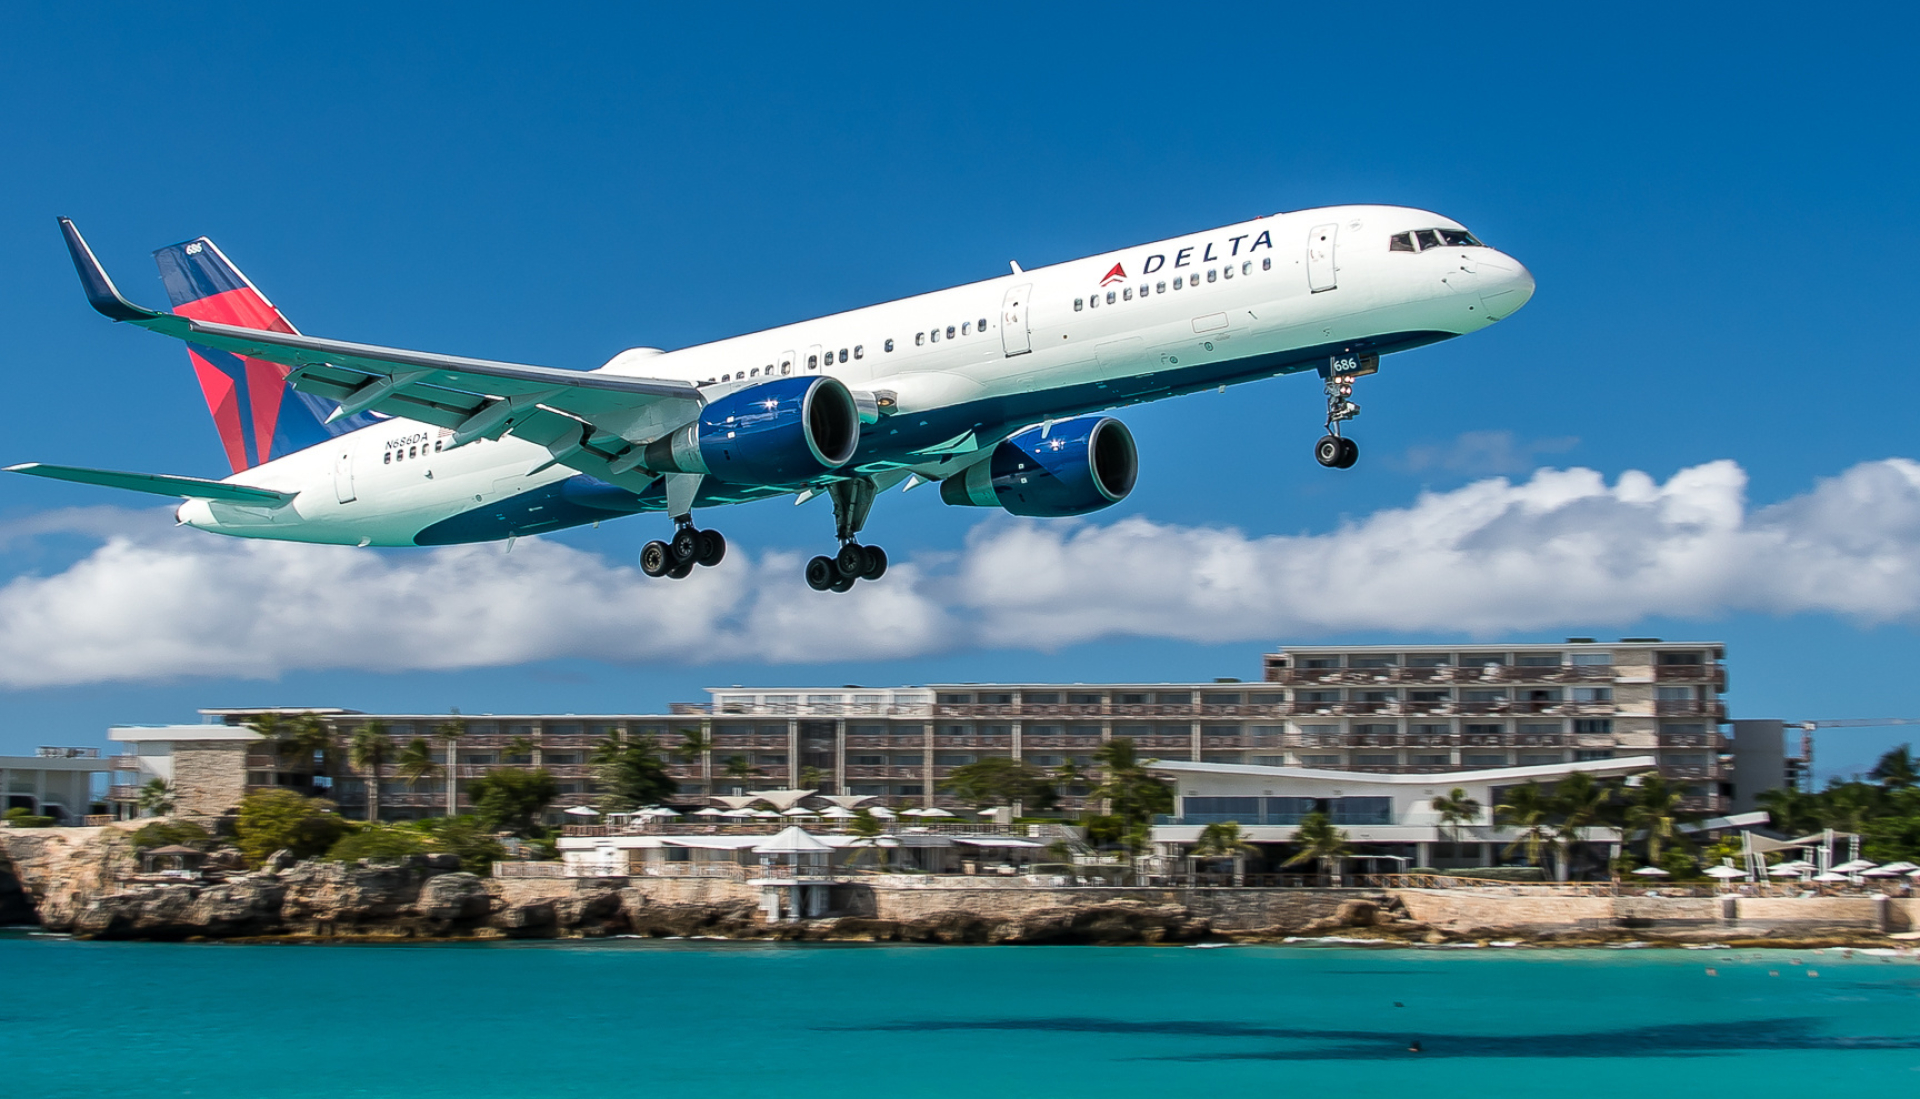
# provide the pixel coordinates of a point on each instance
(1118, 274)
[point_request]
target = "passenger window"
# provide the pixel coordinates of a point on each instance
(1247, 268)
(436, 446)
(785, 369)
(936, 335)
(1210, 275)
(1079, 304)
(1093, 302)
(1266, 264)
(412, 451)
(965, 326)
(813, 362)
(1145, 289)
(1228, 272)
(1159, 287)
(919, 338)
(949, 331)
(1402, 242)
(843, 354)
(889, 345)
(389, 460)
(980, 325)
(754, 373)
(1177, 283)
(1429, 238)
(1110, 297)
(859, 351)
(1126, 294)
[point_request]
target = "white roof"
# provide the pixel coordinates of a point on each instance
(1500, 775)
(995, 841)
(789, 840)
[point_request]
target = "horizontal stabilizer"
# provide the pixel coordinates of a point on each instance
(159, 484)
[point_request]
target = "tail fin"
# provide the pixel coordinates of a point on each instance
(248, 397)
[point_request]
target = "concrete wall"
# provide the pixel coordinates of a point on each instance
(1460, 908)
(1227, 909)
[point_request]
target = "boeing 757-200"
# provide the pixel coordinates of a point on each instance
(997, 390)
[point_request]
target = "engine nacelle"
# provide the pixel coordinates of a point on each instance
(779, 432)
(1069, 468)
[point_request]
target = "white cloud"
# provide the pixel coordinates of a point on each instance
(1481, 453)
(1563, 548)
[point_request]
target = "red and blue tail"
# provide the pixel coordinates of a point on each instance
(248, 397)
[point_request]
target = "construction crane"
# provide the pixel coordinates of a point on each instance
(1800, 767)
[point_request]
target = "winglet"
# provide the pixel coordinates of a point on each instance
(101, 293)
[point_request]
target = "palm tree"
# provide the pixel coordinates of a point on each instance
(1068, 775)
(450, 731)
(369, 750)
(1528, 811)
(1655, 807)
(157, 798)
(696, 745)
(867, 830)
(740, 769)
(1318, 840)
(1895, 769)
(812, 778)
(1226, 840)
(1127, 788)
(298, 738)
(1579, 802)
(1456, 807)
(1790, 810)
(415, 762)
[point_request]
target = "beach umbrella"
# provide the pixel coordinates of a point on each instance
(1881, 872)
(988, 812)
(797, 811)
(839, 813)
(881, 812)
(1830, 875)
(935, 813)
(1724, 872)
(740, 814)
(767, 814)
(709, 811)
(909, 812)
(662, 811)
(1853, 867)
(1651, 872)
(1783, 872)
(582, 811)
(1901, 867)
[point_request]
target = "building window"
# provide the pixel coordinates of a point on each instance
(1594, 726)
(1484, 760)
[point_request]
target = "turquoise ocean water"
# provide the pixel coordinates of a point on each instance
(642, 1018)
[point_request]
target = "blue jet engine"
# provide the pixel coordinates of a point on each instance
(1067, 468)
(779, 432)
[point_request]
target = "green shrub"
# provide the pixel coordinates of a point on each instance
(24, 818)
(378, 841)
(273, 820)
(166, 833)
(1497, 873)
(465, 837)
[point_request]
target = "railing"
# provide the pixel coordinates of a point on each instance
(1714, 672)
(1499, 673)
(123, 793)
(96, 820)
(124, 763)
(49, 752)
(532, 870)
(1689, 707)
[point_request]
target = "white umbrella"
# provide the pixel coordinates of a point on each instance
(988, 812)
(1901, 867)
(663, 811)
(839, 813)
(1830, 876)
(797, 811)
(709, 811)
(1796, 864)
(882, 812)
(1783, 872)
(1853, 867)
(1651, 872)
(911, 812)
(1882, 872)
(767, 814)
(582, 811)
(935, 813)
(740, 814)
(1724, 872)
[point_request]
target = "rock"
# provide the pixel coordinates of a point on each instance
(280, 860)
(458, 896)
(1357, 913)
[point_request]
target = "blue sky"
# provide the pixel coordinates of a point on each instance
(1719, 211)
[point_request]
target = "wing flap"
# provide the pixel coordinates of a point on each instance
(158, 484)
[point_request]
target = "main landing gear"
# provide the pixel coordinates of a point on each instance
(1334, 450)
(852, 500)
(690, 546)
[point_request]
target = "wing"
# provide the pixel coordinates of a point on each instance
(159, 484)
(590, 421)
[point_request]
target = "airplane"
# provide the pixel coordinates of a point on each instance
(997, 390)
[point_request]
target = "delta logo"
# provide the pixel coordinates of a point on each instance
(1118, 274)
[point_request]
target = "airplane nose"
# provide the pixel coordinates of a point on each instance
(1511, 291)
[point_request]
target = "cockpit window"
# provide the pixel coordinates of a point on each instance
(1421, 239)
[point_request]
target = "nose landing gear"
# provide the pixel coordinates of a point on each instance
(1334, 450)
(690, 546)
(852, 501)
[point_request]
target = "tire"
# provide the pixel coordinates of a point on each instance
(1328, 451)
(686, 545)
(821, 573)
(1349, 454)
(876, 563)
(713, 548)
(851, 560)
(845, 583)
(656, 559)
(681, 571)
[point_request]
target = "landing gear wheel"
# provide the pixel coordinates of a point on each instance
(845, 583)
(686, 544)
(656, 559)
(851, 561)
(1349, 454)
(681, 571)
(876, 563)
(822, 574)
(712, 548)
(1328, 451)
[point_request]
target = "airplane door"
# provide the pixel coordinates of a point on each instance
(343, 477)
(1320, 258)
(1013, 320)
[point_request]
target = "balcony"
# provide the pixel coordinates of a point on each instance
(1691, 707)
(50, 752)
(123, 793)
(1498, 673)
(124, 763)
(1691, 673)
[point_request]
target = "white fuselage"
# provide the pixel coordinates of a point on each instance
(964, 367)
